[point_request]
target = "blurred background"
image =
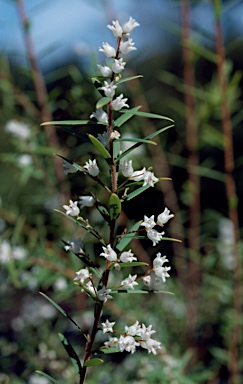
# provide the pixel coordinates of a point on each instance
(190, 54)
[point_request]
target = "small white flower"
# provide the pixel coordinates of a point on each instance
(130, 25)
(103, 294)
(86, 201)
(127, 257)
(109, 88)
(127, 46)
(147, 280)
(100, 115)
(151, 345)
(107, 326)
(75, 246)
(126, 168)
(115, 135)
(115, 28)
(112, 342)
(133, 330)
(72, 209)
(159, 260)
(118, 103)
(105, 70)
(109, 253)
(92, 167)
(129, 282)
(154, 236)
(127, 343)
(103, 138)
(118, 65)
(149, 178)
(146, 332)
(164, 217)
(82, 275)
(89, 285)
(148, 222)
(68, 168)
(108, 50)
(18, 129)
(138, 175)
(162, 272)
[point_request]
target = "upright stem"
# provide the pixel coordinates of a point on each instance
(236, 331)
(192, 163)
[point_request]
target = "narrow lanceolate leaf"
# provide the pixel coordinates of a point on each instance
(62, 311)
(114, 206)
(136, 140)
(126, 115)
(93, 362)
(103, 101)
(71, 353)
(146, 138)
(171, 239)
(150, 115)
(124, 79)
(109, 350)
(137, 192)
(125, 240)
(132, 264)
(47, 376)
(98, 145)
(136, 291)
(69, 122)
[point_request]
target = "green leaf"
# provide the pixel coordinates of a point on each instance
(136, 140)
(171, 239)
(47, 376)
(114, 206)
(93, 362)
(137, 192)
(150, 115)
(133, 264)
(124, 79)
(69, 122)
(103, 101)
(109, 350)
(125, 240)
(136, 291)
(98, 145)
(146, 138)
(116, 148)
(126, 115)
(62, 311)
(71, 353)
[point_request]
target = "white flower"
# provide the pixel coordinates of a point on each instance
(147, 176)
(133, 330)
(107, 326)
(146, 332)
(127, 257)
(115, 135)
(127, 343)
(82, 275)
(103, 294)
(108, 50)
(126, 168)
(148, 222)
(115, 28)
(118, 65)
(147, 280)
(105, 70)
(18, 129)
(112, 342)
(89, 285)
(92, 167)
(119, 103)
(151, 345)
(74, 246)
(159, 260)
(109, 88)
(154, 236)
(72, 209)
(68, 168)
(100, 115)
(129, 282)
(164, 217)
(162, 272)
(109, 253)
(127, 46)
(86, 201)
(130, 25)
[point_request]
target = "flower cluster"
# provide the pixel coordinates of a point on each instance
(149, 225)
(137, 335)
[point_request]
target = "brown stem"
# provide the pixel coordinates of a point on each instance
(192, 163)
(236, 331)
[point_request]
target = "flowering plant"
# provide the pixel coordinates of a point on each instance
(94, 278)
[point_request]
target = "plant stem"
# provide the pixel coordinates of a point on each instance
(236, 331)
